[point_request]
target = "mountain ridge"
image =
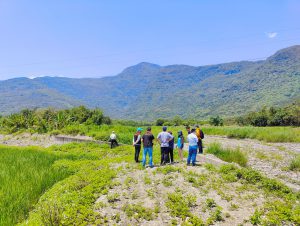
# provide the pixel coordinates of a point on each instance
(146, 91)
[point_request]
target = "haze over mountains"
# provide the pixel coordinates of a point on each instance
(147, 91)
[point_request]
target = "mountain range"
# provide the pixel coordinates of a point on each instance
(148, 91)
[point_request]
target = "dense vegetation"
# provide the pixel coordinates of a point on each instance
(46, 120)
(285, 116)
(149, 91)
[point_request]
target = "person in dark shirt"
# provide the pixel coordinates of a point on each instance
(188, 129)
(137, 142)
(147, 140)
(171, 148)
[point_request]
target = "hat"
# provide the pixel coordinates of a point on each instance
(139, 129)
(164, 128)
(113, 131)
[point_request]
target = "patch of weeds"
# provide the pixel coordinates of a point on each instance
(210, 203)
(116, 217)
(169, 169)
(260, 155)
(134, 195)
(138, 211)
(233, 206)
(167, 181)
(147, 179)
(113, 197)
(210, 167)
(180, 205)
(193, 221)
(215, 216)
(99, 205)
(150, 193)
(128, 181)
(295, 164)
(255, 219)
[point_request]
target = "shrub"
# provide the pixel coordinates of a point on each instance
(216, 121)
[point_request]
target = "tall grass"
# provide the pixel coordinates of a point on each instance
(227, 155)
(295, 164)
(25, 173)
(268, 134)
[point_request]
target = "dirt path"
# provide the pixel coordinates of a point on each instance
(272, 159)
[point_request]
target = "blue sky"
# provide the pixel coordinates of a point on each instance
(95, 38)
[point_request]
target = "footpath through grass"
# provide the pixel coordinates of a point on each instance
(25, 173)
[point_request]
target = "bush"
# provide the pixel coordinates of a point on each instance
(216, 121)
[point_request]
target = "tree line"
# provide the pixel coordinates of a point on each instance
(45, 120)
(280, 116)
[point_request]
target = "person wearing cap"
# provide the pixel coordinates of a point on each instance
(180, 144)
(163, 139)
(193, 146)
(113, 139)
(136, 142)
(147, 140)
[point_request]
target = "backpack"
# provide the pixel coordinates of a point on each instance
(199, 133)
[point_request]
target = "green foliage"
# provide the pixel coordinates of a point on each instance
(47, 120)
(295, 164)
(285, 116)
(179, 205)
(216, 121)
(228, 155)
(138, 211)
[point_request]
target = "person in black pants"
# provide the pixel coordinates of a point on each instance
(137, 141)
(163, 139)
(171, 148)
(113, 140)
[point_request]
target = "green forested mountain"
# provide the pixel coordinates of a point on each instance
(148, 91)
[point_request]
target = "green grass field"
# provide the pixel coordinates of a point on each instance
(25, 174)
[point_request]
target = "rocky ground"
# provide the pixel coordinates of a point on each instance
(272, 159)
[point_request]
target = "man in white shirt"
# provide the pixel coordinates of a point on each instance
(163, 139)
(193, 146)
(113, 139)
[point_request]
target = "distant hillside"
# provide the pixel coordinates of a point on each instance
(148, 91)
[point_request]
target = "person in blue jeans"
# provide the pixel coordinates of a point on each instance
(147, 140)
(193, 146)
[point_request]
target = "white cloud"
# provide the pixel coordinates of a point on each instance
(271, 34)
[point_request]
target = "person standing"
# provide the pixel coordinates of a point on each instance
(113, 139)
(171, 148)
(137, 142)
(147, 140)
(163, 139)
(188, 129)
(180, 144)
(193, 146)
(200, 136)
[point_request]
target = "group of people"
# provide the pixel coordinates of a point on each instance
(166, 141)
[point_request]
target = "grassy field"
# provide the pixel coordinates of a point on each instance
(125, 133)
(25, 174)
(66, 183)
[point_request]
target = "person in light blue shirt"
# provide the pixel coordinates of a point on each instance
(193, 146)
(163, 139)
